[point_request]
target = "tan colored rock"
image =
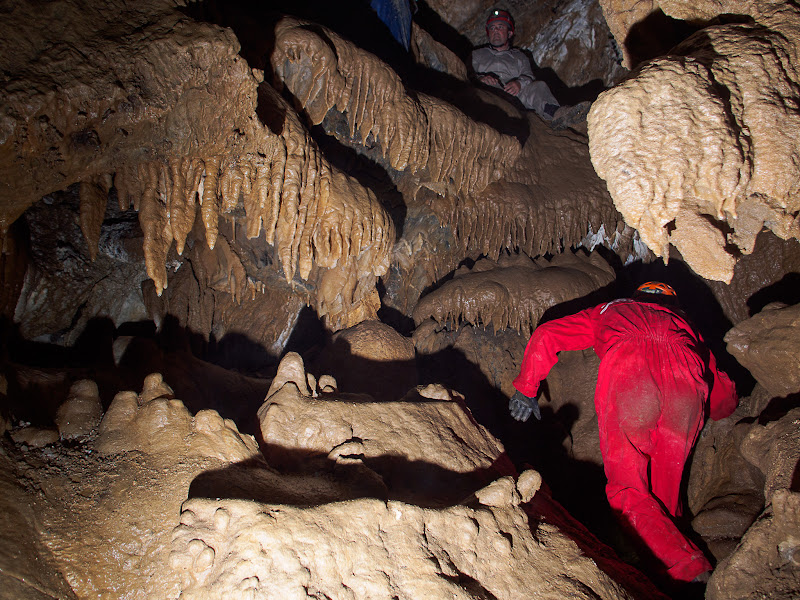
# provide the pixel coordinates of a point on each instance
(768, 344)
(36, 437)
(375, 348)
(27, 568)
(441, 445)
(514, 292)
(765, 563)
(725, 491)
(164, 426)
(224, 548)
(81, 412)
(705, 140)
(89, 111)
(775, 449)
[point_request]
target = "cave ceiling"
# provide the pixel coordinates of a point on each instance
(299, 166)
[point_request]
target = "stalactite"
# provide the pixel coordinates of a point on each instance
(414, 133)
(209, 199)
(311, 213)
(93, 200)
(155, 224)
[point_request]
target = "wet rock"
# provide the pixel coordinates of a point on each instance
(35, 437)
(766, 562)
(704, 112)
(775, 449)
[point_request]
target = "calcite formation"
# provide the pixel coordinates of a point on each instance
(370, 347)
(109, 524)
(81, 412)
(514, 292)
(699, 148)
(358, 431)
(491, 191)
(415, 133)
(163, 108)
(225, 549)
(765, 562)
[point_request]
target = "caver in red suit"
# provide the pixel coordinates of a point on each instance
(654, 381)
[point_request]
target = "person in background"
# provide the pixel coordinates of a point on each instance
(656, 382)
(500, 65)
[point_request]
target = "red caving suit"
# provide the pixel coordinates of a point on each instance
(654, 378)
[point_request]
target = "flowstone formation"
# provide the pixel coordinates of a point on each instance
(515, 291)
(492, 192)
(488, 312)
(163, 110)
(699, 148)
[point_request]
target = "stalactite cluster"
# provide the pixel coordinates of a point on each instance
(415, 133)
(514, 292)
(165, 110)
(312, 214)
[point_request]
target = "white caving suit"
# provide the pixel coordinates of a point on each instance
(514, 64)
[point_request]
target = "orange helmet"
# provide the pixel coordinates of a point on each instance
(656, 287)
(501, 15)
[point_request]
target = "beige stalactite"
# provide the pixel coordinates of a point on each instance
(413, 134)
(209, 200)
(155, 224)
(93, 199)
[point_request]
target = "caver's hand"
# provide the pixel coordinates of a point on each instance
(489, 79)
(522, 407)
(513, 87)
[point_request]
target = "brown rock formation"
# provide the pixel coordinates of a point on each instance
(373, 348)
(514, 292)
(769, 346)
(705, 141)
(107, 110)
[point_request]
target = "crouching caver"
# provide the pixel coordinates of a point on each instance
(655, 380)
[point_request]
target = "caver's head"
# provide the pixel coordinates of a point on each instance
(658, 293)
(500, 29)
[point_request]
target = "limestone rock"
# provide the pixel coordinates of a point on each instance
(768, 344)
(515, 292)
(725, 491)
(224, 548)
(35, 437)
(27, 568)
(704, 140)
(765, 564)
(775, 449)
(81, 412)
(163, 426)
(443, 455)
(375, 348)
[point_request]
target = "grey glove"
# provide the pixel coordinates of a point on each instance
(521, 407)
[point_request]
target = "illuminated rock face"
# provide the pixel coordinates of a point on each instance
(514, 292)
(699, 149)
(164, 110)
